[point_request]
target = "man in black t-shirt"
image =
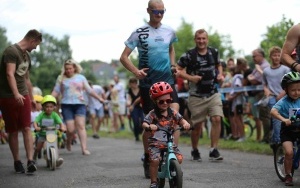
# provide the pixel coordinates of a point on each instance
(202, 68)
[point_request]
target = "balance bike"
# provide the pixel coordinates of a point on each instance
(50, 148)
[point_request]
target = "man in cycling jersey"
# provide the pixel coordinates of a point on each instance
(154, 42)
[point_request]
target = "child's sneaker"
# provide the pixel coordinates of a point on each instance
(59, 162)
(19, 168)
(288, 180)
(153, 185)
(31, 167)
(214, 155)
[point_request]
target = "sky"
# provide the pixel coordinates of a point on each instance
(98, 29)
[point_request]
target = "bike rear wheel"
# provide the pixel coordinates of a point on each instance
(176, 174)
(248, 129)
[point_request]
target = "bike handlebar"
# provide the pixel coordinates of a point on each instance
(48, 129)
(168, 129)
(295, 121)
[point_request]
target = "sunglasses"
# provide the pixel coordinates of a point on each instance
(157, 12)
(168, 101)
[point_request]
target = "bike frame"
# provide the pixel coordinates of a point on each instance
(51, 141)
(167, 156)
(296, 157)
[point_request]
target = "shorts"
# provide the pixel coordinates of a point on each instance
(254, 108)
(155, 149)
(289, 133)
(201, 107)
(98, 112)
(69, 111)
(41, 139)
(147, 103)
(122, 108)
(16, 117)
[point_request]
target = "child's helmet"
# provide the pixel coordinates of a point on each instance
(160, 88)
(38, 98)
(288, 78)
(49, 98)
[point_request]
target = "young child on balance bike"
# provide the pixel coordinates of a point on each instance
(283, 110)
(49, 104)
(166, 117)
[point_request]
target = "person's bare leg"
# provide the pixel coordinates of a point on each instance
(195, 134)
(145, 140)
(177, 133)
(80, 126)
(258, 129)
(288, 162)
(70, 124)
(14, 145)
(93, 123)
(98, 124)
(153, 170)
(215, 131)
(28, 143)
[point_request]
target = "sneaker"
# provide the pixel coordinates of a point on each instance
(96, 136)
(19, 168)
(242, 139)
(214, 155)
(153, 185)
(146, 164)
(196, 155)
(59, 162)
(31, 167)
(288, 180)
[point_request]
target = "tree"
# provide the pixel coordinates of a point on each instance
(222, 42)
(48, 60)
(3, 40)
(185, 36)
(276, 33)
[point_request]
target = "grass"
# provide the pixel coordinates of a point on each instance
(250, 145)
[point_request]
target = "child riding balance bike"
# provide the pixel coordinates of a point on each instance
(166, 117)
(45, 122)
(283, 110)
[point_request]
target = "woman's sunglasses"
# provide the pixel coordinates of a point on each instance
(168, 101)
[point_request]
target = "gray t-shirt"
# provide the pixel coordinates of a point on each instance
(272, 78)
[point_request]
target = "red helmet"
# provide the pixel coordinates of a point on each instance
(159, 89)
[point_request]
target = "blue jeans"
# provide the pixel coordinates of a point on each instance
(276, 124)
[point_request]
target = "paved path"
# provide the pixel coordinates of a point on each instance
(115, 163)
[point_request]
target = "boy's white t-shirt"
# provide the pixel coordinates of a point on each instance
(33, 116)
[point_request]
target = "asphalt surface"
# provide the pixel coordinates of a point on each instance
(115, 163)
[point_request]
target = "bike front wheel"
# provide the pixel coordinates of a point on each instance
(176, 174)
(52, 160)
